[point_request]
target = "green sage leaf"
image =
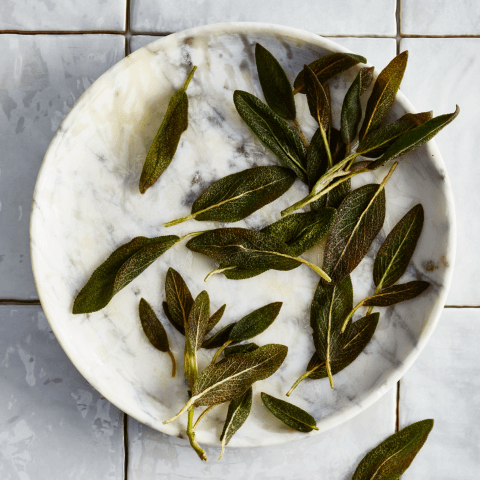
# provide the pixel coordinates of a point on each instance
(390, 459)
(328, 67)
(179, 299)
(383, 94)
(352, 106)
(255, 322)
(273, 131)
(242, 348)
(396, 294)
(238, 195)
(165, 143)
(394, 255)
(121, 267)
(216, 317)
(238, 411)
(317, 100)
(198, 321)
(275, 84)
(179, 328)
(218, 338)
(289, 414)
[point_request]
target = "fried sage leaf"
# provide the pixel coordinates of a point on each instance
(242, 348)
(275, 84)
(396, 294)
(255, 322)
(383, 94)
(377, 142)
(317, 100)
(240, 247)
(352, 106)
(216, 317)
(328, 67)
(359, 219)
(390, 459)
(120, 268)
(179, 328)
(238, 195)
(273, 131)
(218, 338)
(238, 411)
(289, 414)
(394, 255)
(179, 299)
(414, 138)
(154, 330)
(165, 143)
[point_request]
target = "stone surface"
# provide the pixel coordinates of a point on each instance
(42, 77)
(53, 424)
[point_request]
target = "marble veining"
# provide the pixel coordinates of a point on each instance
(87, 203)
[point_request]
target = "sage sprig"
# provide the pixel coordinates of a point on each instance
(165, 143)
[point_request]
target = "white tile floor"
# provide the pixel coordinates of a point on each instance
(52, 423)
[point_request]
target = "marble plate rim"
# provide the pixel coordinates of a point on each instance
(435, 157)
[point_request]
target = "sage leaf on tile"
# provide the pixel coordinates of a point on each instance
(396, 251)
(414, 138)
(218, 338)
(242, 348)
(121, 267)
(383, 94)
(238, 412)
(238, 195)
(165, 143)
(215, 318)
(240, 247)
(289, 414)
(328, 67)
(276, 87)
(273, 131)
(179, 299)
(178, 327)
(377, 142)
(154, 330)
(390, 459)
(352, 106)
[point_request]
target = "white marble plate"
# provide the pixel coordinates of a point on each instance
(87, 203)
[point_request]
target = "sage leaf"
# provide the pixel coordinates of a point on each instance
(414, 138)
(240, 247)
(218, 338)
(242, 348)
(154, 330)
(255, 322)
(317, 159)
(273, 131)
(165, 143)
(377, 142)
(198, 321)
(179, 299)
(328, 67)
(121, 267)
(178, 327)
(394, 255)
(396, 294)
(359, 219)
(317, 100)
(238, 195)
(383, 94)
(215, 318)
(275, 84)
(390, 459)
(352, 106)
(238, 273)
(289, 414)
(238, 411)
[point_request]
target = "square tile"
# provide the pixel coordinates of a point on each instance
(443, 72)
(42, 76)
(53, 424)
(444, 384)
(326, 17)
(64, 15)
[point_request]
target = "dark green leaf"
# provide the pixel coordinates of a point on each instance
(414, 138)
(232, 376)
(120, 268)
(289, 414)
(243, 273)
(273, 131)
(255, 322)
(218, 338)
(179, 328)
(198, 321)
(328, 67)
(377, 142)
(179, 298)
(383, 94)
(390, 459)
(318, 103)
(275, 85)
(165, 143)
(359, 219)
(238, 195)
(317, 159)
(352, 106)
(216, 317)
(394, 255)
(238, 411)
(396, 294)
(242, 348)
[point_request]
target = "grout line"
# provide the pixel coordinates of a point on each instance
(128, 33)
(125, 445)
(63, 32)
(398, 16)
(461, 306)
(12, 301)
(407, 35)
(397, 419)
